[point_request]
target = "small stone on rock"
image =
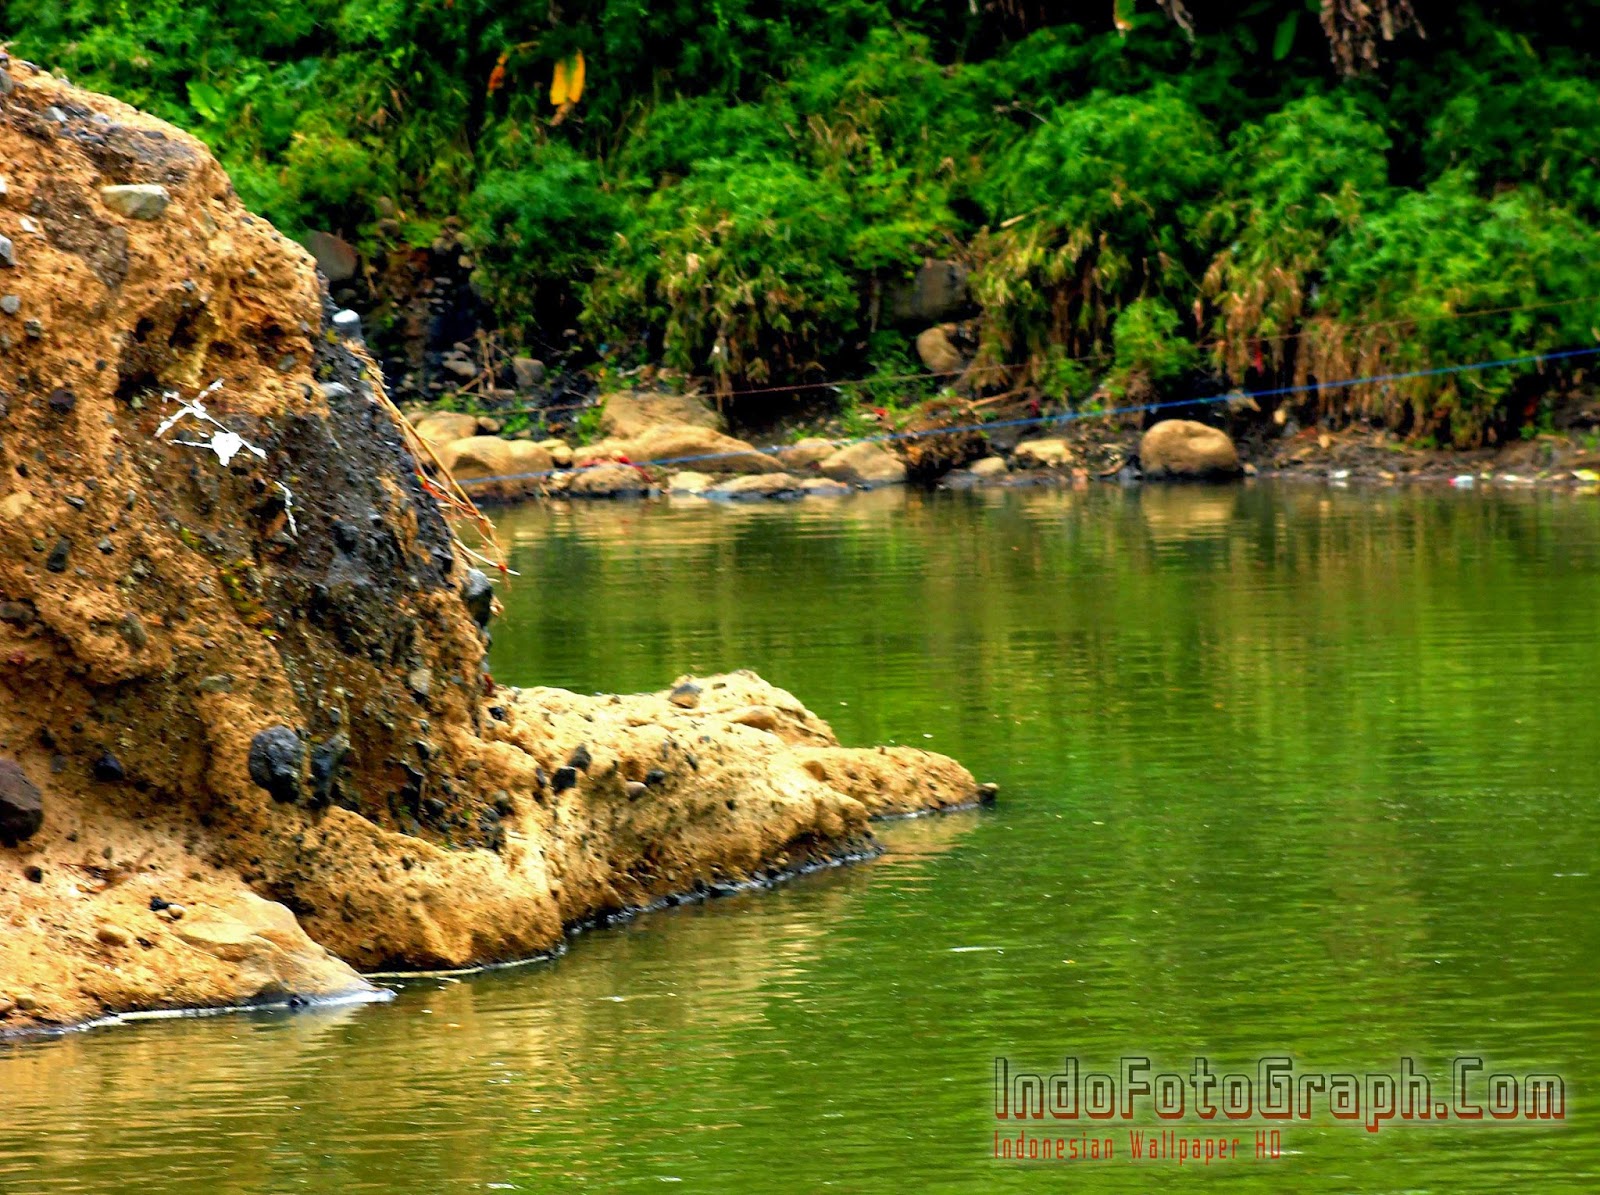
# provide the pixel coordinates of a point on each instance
(10, 304)
(137, 201)
(685, 696)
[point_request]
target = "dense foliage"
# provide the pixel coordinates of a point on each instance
(1154, 197)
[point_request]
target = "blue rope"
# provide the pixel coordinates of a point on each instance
(1075, 416)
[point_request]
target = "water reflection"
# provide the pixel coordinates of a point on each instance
(1283, 769)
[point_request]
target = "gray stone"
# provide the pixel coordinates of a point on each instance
(325, 760)
(21, 806)
(336, 257)
(347, 323)
(936, 292)
(528, 372)
(57, 563)
(10, 304)
(137, 201)
(686, 696)
(8, 252)
(478, 594)
(420, 681)
(465, 370)
(277, 757)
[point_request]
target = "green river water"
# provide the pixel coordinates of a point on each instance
(1285, 770)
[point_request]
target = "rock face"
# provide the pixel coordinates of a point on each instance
(1183, 449)
(865, 464)
(243, 655)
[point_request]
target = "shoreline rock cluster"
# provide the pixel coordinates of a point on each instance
(675, 445)
(249, 745)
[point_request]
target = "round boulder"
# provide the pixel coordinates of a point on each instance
(1184, 449)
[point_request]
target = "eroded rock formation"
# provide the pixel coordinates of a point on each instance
(248, 741)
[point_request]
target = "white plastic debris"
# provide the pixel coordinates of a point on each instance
(223, 441)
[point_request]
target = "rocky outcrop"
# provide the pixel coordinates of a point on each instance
(1183, 449)
(249, 741)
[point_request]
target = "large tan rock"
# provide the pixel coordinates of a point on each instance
(264, 675)
(630, 413)
(680, 444)
(442, 427)
(608, 480)
(491, 468)
(1181, 448)
(938, 352)
(865, 464)
(1042, 454)
(806, 454)
(756, 485)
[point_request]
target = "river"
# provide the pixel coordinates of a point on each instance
(1284, 770)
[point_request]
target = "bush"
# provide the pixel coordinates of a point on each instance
(742, 271)
(1103, 202)
(1295, 181)
(536, 229)
(1400, 296)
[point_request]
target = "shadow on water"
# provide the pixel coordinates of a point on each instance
(1285, 770)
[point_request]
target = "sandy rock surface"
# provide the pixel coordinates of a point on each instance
(242, 658)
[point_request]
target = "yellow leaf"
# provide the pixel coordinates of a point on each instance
(575, 78)
(558, 85)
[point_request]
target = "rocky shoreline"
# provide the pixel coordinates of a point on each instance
(678, 446)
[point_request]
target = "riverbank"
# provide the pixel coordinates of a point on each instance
(249, 742)
(677, 444)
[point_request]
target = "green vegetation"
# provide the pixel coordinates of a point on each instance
(1154, 198)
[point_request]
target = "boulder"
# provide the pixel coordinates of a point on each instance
(756, 485)
(938, 353)
(269, 952)
(865, 464)
(672, 443)
(823, 487)
(441, 427)
(989, 467)
(806, 454)
(689, 482)
(936, 292)
(21, 807)
(527, 371)
(1182, 448)
(608, 481)
(478, 457)
(1042, 454)
(336, 257)
(629, 413)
